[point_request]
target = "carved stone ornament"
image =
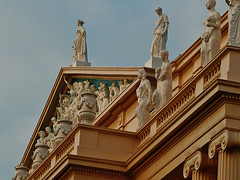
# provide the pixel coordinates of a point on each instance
(223, 141)
(64, 126)
(113, 91)
(88, 108)
(50, 139)
(40, 152)
(21, 172)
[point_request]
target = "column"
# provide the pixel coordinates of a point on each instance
(200, 167)
(227, 145)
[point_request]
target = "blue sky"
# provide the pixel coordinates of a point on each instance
(36, 39)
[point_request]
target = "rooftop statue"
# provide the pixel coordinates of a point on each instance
(211, 38)
(80, 45)
(163, 75)
(144, 95)
(160, 34)
(234, 22)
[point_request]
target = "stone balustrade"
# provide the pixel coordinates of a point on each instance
(103, 141)
(181, 101)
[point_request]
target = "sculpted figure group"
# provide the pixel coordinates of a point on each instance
(85, 98)
(160, 96)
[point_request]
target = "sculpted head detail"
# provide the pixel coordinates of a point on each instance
(48, 129)
(142, 74)
(54, 119)
(210, 4)
(80, 22)
(93, 88)
(158, 10)
(164, 55)
(41, 134)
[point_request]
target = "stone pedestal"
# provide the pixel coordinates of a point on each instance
(64, 126)
(21, 173)
(154, 62)
(88, 108)
(80, 63)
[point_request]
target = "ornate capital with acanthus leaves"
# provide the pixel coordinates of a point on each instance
(222, 141)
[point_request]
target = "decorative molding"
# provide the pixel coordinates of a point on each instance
(212, 74)
(96, 170)
(145, 135)
(43, 170)
(177, 106)
(231, 96)
(223, 141)
(66, 148)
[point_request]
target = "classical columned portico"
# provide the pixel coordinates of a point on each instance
(227, 145)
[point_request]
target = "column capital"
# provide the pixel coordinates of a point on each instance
(193, 163)
(222, 141)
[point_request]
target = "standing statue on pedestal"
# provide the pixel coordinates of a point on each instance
(144, 95)
(234, 22)
(163, 76)
(211, 38)
(80, 47)
(160, 34)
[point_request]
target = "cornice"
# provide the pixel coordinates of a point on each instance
(60, 87)
(62, 154)
(149, 151)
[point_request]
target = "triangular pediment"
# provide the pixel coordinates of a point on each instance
(95, 77)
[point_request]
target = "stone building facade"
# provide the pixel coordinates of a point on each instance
(195, 135)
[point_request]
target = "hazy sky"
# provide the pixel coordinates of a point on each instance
(36, 39)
